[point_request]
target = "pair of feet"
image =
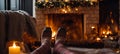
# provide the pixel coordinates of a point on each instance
(47, 34)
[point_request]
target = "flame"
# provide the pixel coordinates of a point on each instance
(108, 32)
(105, 36)
(103, 32)
(86, 0)
(67, 0)
(92, 27)
(14, 45)
(98, 39)
(63, 10)
(76, 9)
(53, 34)
(112, 20)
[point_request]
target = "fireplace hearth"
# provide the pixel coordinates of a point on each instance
(73, 23)
(77, 21)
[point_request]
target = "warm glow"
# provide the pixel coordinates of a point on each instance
(108, 32)
(111, 38)
(66, 0)
(86, 0)
(91, 3)
(105, 36)
(69, 9)
(112, 20)
(98, 39)
(76, 9)
(14, 45)
(94, 1)
(92, 27)
(38, 0)
(46, 0)
(53, 35)
(103, 32)
(64, 10)
(118, 51)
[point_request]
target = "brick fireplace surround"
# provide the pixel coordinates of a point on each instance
(91, 17)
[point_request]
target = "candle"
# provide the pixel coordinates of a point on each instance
(98, 39)
(14, 49)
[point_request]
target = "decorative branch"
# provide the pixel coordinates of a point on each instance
(62, 4)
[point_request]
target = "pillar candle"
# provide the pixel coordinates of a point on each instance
(14, 49)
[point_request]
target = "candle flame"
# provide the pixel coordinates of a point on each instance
(14, 45)
(98, 39)
(103, 32)
(64, 10)
(105, 36)
(92, 27)
(76, 9)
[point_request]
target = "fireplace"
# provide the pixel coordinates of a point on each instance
(77, 21)
(73, 23)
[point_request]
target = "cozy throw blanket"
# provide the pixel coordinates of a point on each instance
(12, 26)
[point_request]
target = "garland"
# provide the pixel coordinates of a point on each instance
(62, 4)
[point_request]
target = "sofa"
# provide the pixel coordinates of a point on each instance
(13, 25)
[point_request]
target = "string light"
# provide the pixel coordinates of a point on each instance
(62, 4)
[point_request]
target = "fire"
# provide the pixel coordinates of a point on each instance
(108, 32)
(53, 35)
(103, 32)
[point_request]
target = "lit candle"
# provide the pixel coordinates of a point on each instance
(103, 32)
(14, 49)
(98, 39)
(92, 27)
(105, 36)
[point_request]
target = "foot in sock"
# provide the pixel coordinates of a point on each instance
(61, 35)
(45, 47)
(46, 35)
